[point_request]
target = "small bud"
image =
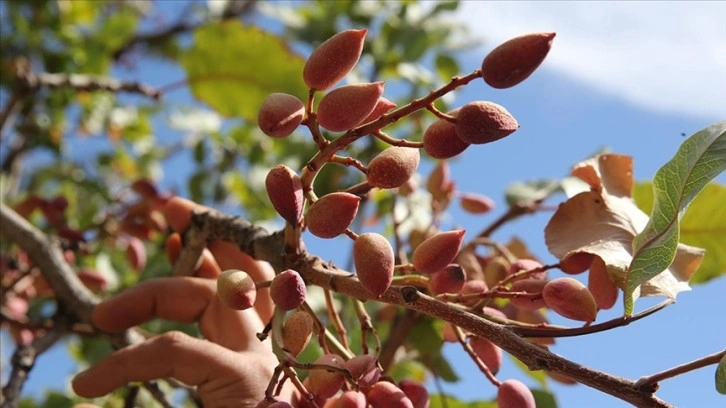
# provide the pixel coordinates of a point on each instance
(145, 188)
(393, 167)
(364, 370)
(489, 353)
(348, 399)
(448, 333)
(387, 395)
(416, 392)
(382, 106)
(440, 140)
(438, 251)
(280, 114)
(136, 253)
(476, 203)
(284, 189)
(288, 290)
(495, 270)
(448, 280)
(514, 394)
(92, 279)
(482, 122)
(473, 286)
(72, 235)
(576, 263)
(529, 286)
(439, 183)
(374, 262)
(236, 289)
(324, 383)
(296, 332)
(332, 214)
(515, 60)
(526, 265)
(333, 59)
(570, 298)
(601, 286)
(345, 107)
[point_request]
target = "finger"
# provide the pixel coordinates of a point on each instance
(228, 256)
(192, 361)
(182, 299)
(178, 211)
(173, 247)
(206, 267)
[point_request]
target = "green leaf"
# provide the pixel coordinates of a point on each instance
(447, 401)
(539, 375)
(700, 159)
(410, 369)
(444, 6)
(425, 335)
(721, 376)
(438, 364)
(446, 67)
(233, 68)
(544, 399)
(529, 191)
(703, 226)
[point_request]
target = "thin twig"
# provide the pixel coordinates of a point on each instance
(157, 394)
(8, 110)
(650, 382)
(479, 363)
(366, 327)
(556, 331)
(335, 317)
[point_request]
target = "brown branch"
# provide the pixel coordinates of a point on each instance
(650, 383)
(8, 110)
(72, 296)
(24, 358)
(234, 9)
(32, 82)
(47, 255)
(595, 328)
(515, 211)
(263, 246)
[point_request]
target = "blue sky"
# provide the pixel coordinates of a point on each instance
(631, 76)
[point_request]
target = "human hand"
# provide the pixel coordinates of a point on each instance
(230, 367)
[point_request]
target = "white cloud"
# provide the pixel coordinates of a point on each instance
(665, 56)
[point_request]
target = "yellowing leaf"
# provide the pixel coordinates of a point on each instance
(233, 68)
(704, 225)
(605, 220)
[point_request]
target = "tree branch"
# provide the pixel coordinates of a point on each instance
(45, 252)
(31, 82)
(24, 358)
(651, 382)
(269, 247)
(234, 9)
